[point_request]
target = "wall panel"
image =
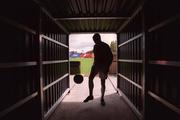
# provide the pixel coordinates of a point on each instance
(34, 65)
(163, 39)
(130, 62)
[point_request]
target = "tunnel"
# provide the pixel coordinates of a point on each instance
(34, 54)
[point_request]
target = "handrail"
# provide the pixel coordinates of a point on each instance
(17, 64)
(131, 39)
(54, 62)
(50, 16)
(164, 102)
(17, 105)
(52, 40)
(165, 63)
(163, 23)
(46, 116)
(127, 79)
(137, 112)
(134, 14)
(17, 25)
(56, 81)
(130, 61)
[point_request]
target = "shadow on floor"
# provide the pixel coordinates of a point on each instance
(115, 109)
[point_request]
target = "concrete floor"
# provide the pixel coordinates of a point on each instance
(72, 107)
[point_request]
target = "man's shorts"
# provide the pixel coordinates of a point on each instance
(103, 71)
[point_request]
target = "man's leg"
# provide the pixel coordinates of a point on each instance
(91, 84)
(103, 77)
(103, 87)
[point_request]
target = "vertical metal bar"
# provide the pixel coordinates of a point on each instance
(56, 67)
(53, 87)
(117, 57)
(144, 57)
(58, 57)
(68, 84)
(50, 89)
(51, 71)
(133, 64)
(58, 82)
(60, 54)
(117, 54)
(40, 90)
(45, 83)
(40, 68)
(48, 74)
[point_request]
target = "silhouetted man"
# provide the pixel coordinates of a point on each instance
(102, 60)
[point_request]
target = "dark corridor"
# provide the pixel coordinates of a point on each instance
(34, 58)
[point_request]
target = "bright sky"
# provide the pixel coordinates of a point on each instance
(84, 42)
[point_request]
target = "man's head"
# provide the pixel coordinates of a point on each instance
(97, 38)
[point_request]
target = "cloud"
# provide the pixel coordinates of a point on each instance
(84, 42)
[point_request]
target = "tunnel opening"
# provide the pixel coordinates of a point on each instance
(81, 49)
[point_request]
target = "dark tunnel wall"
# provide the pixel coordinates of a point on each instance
(130, 61)
(149, 67)
(34, 65)
(162, 26)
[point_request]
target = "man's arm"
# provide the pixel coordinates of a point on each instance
(97, 55)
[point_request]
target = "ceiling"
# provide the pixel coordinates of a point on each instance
(91, 15)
